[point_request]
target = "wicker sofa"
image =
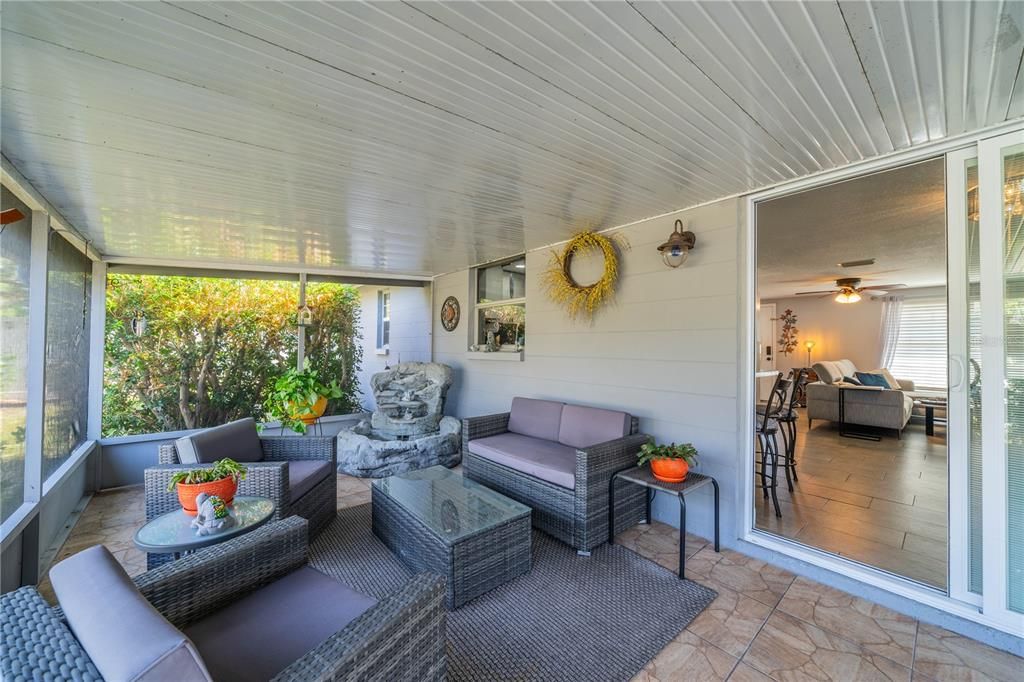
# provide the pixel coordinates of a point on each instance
(249, 609)
(558, 459)
(298, 474)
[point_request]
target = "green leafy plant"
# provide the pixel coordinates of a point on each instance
(651, 450)
(294, 395)
(222, 468)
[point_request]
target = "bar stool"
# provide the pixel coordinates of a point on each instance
(766, 429)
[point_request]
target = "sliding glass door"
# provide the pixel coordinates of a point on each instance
(985, 209)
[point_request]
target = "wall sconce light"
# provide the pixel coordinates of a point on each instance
(305, 316)
(676, 250)
(808, 345)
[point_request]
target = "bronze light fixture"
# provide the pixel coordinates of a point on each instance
(676, 250)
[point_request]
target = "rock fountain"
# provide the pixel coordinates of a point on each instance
(408, 430)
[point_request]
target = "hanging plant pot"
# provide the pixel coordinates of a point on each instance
(670, 470)
(309, 416)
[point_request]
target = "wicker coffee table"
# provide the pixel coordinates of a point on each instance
(439, 522)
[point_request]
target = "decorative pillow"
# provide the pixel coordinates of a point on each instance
(852, 380)
(888, 377)
(124, 635)
(870, 379)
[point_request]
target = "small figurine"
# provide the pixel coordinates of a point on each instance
(212, 515)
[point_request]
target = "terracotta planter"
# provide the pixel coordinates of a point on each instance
(318, 411)
(224, 489)
(670, 470)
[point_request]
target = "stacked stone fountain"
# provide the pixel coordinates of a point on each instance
(408, 430)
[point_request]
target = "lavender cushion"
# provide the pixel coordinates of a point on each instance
(585, 426)
(303, 474)
(535, 418)
(124, 635)
(238, 440)
(543, 459)
(261, 634)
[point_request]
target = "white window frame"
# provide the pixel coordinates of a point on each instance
(383, 317)
(481, 307)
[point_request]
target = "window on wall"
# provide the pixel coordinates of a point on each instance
(501, 305)
(65, 412)
(383, 319)
(921, 345)
(15, 249)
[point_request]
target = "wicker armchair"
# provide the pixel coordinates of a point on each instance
(400, 637)
(577, 516)
(268, 478)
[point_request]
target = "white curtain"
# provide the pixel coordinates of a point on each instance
(892, 307)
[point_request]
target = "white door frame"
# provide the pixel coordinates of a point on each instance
(747, 362)
(958, 434)
(994, 501)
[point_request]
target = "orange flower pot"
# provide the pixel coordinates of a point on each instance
(319, 407)
(224, 488)
(670, 470)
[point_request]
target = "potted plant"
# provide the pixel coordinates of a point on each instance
(221, 480)
(299, 398)
(669, 463)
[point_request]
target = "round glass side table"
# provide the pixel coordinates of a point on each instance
(172, 533)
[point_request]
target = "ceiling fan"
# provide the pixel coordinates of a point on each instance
(848, 290)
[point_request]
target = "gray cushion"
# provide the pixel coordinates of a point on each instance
(303, 474)
(846, 367)
(261, 634)
(535, 418)
(582, 427)
(543, 459)
(124, 635)
(828, 372)
(238, 440)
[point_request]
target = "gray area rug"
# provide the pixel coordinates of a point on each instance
(570, 618)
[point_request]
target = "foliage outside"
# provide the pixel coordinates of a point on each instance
(222, 468)
(651, 450)
(213, 348)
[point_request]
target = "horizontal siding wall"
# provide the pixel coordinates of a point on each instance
(409, 335)
(665, 350)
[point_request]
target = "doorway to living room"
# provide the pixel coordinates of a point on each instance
(851, 446)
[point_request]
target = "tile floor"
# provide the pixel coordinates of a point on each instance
(882, 503)
(766, 623)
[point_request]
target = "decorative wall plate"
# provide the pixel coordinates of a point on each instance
(450, 313)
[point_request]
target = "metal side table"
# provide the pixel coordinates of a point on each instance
(643, 476)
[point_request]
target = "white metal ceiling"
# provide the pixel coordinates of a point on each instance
(420, 138)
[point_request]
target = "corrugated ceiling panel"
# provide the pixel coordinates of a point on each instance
(417, 138)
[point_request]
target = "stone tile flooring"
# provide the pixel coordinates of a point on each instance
(766, 623)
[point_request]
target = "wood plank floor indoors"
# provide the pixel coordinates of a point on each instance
(881, 503)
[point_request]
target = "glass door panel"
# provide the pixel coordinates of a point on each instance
(1012, 162)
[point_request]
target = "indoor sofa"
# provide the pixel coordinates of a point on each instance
(248, 609)
(879, 407)
(558, 459)
(299, 474)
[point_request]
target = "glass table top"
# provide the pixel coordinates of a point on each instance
(450, 505)
(173, 531)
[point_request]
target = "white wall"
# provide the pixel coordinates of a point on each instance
(838, 330)
(409, 337)
(665, 351)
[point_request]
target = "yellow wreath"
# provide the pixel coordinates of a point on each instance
(583, 300)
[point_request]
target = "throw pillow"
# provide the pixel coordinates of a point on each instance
(870, 379)
(851, 380)
(888, 377)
